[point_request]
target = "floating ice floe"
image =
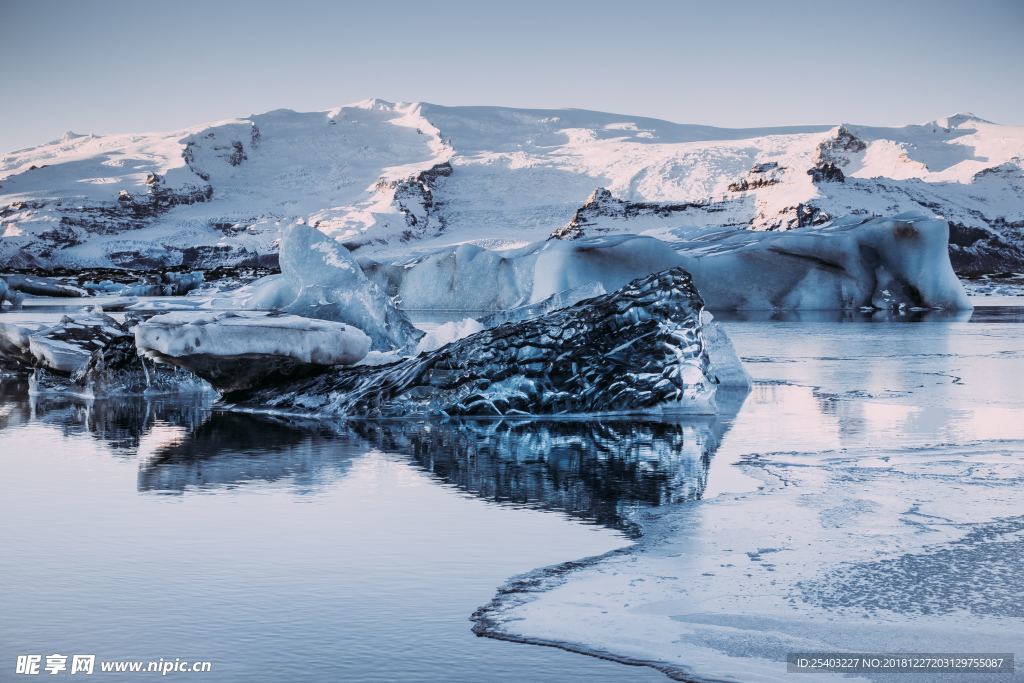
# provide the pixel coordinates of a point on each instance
(161, 284)
(237, 350)
(87, 354)
(883, 263)
(638, 349)
(12, 296)
(320, 279)
(42, 286)
(726, 366)
(14, 343)
(66, 347)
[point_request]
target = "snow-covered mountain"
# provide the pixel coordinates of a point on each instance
(395, 178)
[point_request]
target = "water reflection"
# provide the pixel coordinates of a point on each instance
(233, 449)
(120, 424)
(595, 469)
(591, 469)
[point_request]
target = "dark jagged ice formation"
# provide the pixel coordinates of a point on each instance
(637, 349)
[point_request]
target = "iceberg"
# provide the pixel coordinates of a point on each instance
(639, 349)
(86, 354)
(237, 350)
(320, 279)
(467, 277)
(118, 369)
(882, 263)
(558, 300)
(726, 367)
(12, 296)
(14, 343)
(66, 347)
(162, 284)
(42, 286)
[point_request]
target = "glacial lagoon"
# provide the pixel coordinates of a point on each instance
(280, 549)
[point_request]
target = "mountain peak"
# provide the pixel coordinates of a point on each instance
(958, 119)
(374, 103)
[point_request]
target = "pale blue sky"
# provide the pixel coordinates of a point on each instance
(107, 66)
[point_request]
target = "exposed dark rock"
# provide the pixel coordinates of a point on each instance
(237, 153)
(835, 148)
(129, 212)
(229, 229)
(189, 155)
(826, 172)
(975, 251)
(414, 197)
(601, 204)
(804, 215)
(760, 175)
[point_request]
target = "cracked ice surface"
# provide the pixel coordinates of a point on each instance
(868, 498)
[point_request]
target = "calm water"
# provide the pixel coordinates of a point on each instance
(148, 529)
(282, 551)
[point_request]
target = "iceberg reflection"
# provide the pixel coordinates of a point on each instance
(588, 468)
(597, 469)
(120, 424)
(234, 449)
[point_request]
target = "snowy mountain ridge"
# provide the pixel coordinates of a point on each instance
(392, 178)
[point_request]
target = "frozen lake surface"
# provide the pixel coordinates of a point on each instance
(867, 495)
(868, 498)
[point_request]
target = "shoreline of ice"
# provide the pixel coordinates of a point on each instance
(586, 589)
(884, 516)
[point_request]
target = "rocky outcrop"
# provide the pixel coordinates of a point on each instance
(760, 175)
(802, 216)
(826, 172)
(231, 151)
(976, 251)
(76, 224)
(836, 148)
(587, 221)
(414, 197)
